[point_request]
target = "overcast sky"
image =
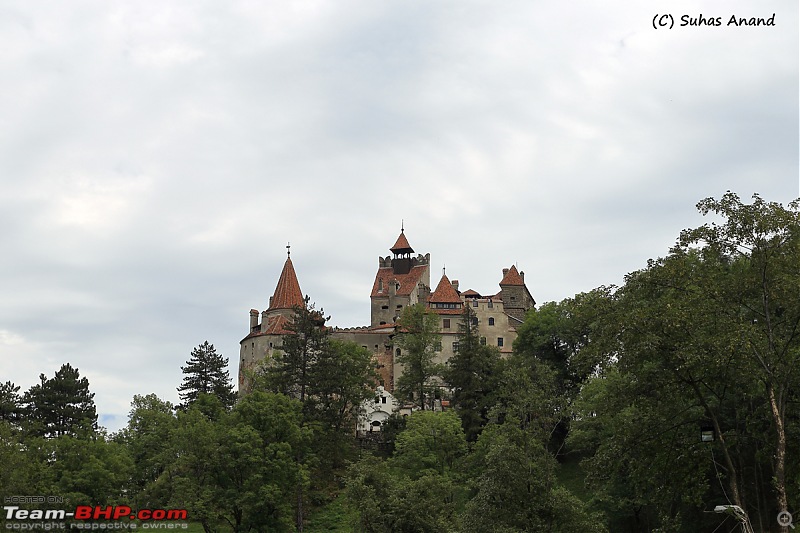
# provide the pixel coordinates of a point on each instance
(156, 158)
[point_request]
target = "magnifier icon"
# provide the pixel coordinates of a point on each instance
(785, 519)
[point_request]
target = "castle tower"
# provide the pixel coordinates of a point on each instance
(266, 336)
(402, 280)
(516, 297)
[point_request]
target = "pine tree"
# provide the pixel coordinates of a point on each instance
(206, 373)
(10, 402)
(473, 375)
(60, 406)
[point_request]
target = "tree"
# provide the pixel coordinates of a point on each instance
(206, 373)
(10, 402)
(417, 338)
(566, 338)
(413, 491)
(148, 438)
(761, 242)
(340, 380)
(708, 335)
(61, 405)
(241, 469)
(330, 379)
(90, 471)
(472, 374)
(291, 369)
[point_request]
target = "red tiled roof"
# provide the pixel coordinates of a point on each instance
(401, 245)
(277, 326)
(407, 281)
(471, 294)
(445, 292)
(512, 277)
(287, 293)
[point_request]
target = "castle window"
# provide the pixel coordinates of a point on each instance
(380, 285)
(512, 298)
(399, 306)
(474, 321)
(445, 323)
(491, 321)
(382, 323)
(383, 399)
(384, 307)
(475, 302)
(490, 305)
(483, 341)
(455, 347)
(397, 353)
(499, 342)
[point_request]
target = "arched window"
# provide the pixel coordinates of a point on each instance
(491, 321)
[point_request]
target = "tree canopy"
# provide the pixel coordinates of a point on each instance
(206, 372)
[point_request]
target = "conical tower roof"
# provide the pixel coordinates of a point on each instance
(401, 246)
(287, 294)
(445, 292)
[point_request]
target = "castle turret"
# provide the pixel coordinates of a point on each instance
(266, 337)
(517, 299)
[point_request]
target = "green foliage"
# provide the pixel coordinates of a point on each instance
(473, 375)
(433, 442)
(705, 336)
(90, 471)
(61, 405)
(291, 370)
(23, 462)
(242, 469)
(148, 438)
(10, 402)
(206, 373)
(414, 491)
(417, 340)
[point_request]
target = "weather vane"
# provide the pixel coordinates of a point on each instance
(288, 249)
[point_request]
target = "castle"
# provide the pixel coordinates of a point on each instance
(402, 280)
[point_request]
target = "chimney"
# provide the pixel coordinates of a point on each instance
(264, 320)
(454, 283)
(505, 271)
(253, 319)
(522, 275)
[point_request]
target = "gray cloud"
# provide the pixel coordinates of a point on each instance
(157, 158)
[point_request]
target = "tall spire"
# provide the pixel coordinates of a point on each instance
(287, 294)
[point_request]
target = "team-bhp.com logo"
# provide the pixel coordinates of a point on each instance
(92, 517)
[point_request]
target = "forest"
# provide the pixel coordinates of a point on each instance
(666, 404)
